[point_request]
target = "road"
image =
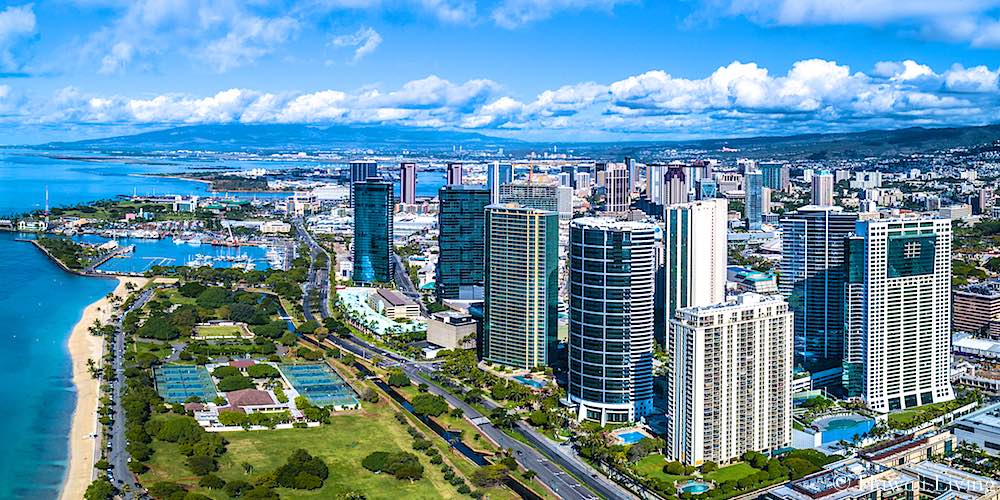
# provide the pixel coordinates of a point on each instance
(117, 455)
(319, 279)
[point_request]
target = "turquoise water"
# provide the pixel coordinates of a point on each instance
(530, 382)
(845, 428)
(695, 488)
(165, 252)
(37, 315)
(631, 437)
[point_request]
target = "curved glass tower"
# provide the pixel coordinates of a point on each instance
(612, 273)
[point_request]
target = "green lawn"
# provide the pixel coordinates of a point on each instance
(906, 419)
(175, 297)
(652, 466)
(342, 445)
(219, 331)
(162, 351)
(733, 472)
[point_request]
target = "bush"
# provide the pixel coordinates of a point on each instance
(490, 475)
(398, 379)
(302, 471)
(674, 468)
(237, 488)
(709, 466)
(212, 482)
(401, 465)
(427, 404)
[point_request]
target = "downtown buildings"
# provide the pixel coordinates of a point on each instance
(728, 379)
(612, 274)
(522, 283)
(373, 207)
(461, 238)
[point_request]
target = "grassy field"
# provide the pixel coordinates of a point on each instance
(219, 331)
(161, 351)
(652, 466)
(175, 297)
(342, 445)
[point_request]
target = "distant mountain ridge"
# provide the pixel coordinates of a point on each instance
(290, 137)
(285, 137)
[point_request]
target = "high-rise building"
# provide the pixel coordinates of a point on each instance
(812, 280)
(498, 175)
(633, 174)
(775, 175)
(522, 283)
(695, 242)
(755, 200)
(976, 309)
(461, 237)
(707, 189)
(408, 183)
(729, 379)
(822, 189)
(617, 189)
(611, 282)
(540, 195)
(453, 175)
(906, 318)
(361, 170)
(373, 207)
(675, 185)
(655, 175)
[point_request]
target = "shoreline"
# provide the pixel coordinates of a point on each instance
(83, 437)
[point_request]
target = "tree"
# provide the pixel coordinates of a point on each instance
(235, 383)
(158, 327)
(191, 289)
(709, 466)
(490, 475)
(262, 371)
(225, 371)
(212, 482)
(429, 404)
(674, 468)
(237, 488)
(100, 489)
(302, 471)
(201, 464)
(398, 379)
(213, 298)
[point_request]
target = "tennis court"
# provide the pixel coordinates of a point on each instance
(177, 383)
(321, 385)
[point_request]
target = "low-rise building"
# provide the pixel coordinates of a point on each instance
(976, 309)
(275, 227)
(911, 449)
(851, 479)
(394, 305)
(939, 479)
(981, 428)
(452, 330)
(748, 280)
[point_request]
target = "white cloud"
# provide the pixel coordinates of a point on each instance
(969, 21)
(739, 98)
(364, 41)
(16, 23)
(249, 39)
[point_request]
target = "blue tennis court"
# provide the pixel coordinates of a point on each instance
(321, 385)
(177, 383)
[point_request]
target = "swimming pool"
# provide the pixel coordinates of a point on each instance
(694, 487)
(843, 427)
(535, 384)
(631, 437)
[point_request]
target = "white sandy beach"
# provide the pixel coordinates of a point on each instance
(84, 346)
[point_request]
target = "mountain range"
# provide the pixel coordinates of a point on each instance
(241, 137)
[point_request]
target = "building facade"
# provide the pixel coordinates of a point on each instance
(361, 170)
(498, 174)
(373, 206)
(906, 318)
(822, 189)
(408, 183)
(617, 188)
(612, 274)
(976, 309)
(453, 174)
(522, 284)
(812, 280)
(755, 200)
(695, 241)
(729, 379)
(461, 238)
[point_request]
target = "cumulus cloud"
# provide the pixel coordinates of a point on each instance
(247, 40)
(16, 24)
(738, 98)
(364, 41)
(514, 13)
(969, 21)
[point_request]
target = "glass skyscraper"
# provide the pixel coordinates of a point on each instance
(461, 236)
(755, 200)
(611, 280)
(522, 284)
(361, 170)
(498, 175)
(775, 175)
(812, 278)
(373, 204)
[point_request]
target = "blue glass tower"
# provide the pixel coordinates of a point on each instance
(373, 204)
(755, 200)
(461, 235)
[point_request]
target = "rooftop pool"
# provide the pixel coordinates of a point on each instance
(843, 427)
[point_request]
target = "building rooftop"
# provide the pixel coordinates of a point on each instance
(394, 298)
(985, 417)
(955, 478)
(739, 301)
(987, 289)
(453, 317)
(970, 343)
(612, 223)
(249, 397)
(891, 447)
(845, 479)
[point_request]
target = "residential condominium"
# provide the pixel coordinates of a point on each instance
(812, 280)
(408, 183)
(755, 200)
(729, 379)
(618, 191)
(373, 206)
(695, 242)
(461, 236)
(905, 323)
(522, 283)
(611, 286)
(361, 170)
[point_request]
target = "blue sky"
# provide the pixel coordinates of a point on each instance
(536, 69)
